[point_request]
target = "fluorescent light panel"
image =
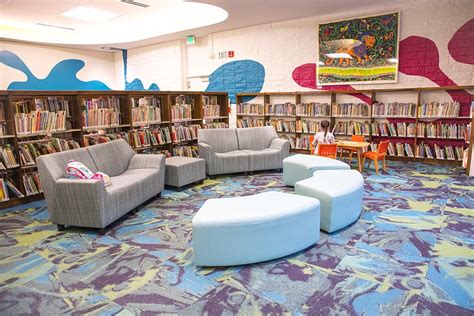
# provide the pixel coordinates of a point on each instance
(90, 14)
(56, 26)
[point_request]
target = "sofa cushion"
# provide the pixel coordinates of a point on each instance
(112, 158)
(264, 159)
(255, 138)
(222, 140)
(231, 162)
(55, 164)
(129, 190)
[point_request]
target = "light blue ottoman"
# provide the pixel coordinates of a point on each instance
(299, 167)
(340, 193)
(261, 227)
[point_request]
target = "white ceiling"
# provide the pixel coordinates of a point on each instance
(164, 20)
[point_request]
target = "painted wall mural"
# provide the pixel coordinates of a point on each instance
(363, 50)
(237, 76)
(63, 76)
(461, 45)
(136, 84)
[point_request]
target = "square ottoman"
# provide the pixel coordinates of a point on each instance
(181, 171)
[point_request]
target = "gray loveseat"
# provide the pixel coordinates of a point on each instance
(88, 203)
(231, 150)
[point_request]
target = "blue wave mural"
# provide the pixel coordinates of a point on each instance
(237, 77)
(136, 84)
(63, 76)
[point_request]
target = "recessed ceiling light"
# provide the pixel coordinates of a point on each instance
(90, 14)
(109, 48)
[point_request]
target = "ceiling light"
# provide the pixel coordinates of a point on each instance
(339, 55)
(138, 4)
(109, 48)
(89, 14)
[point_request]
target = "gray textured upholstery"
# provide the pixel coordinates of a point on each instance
(88, 203)
(112, 158)
(181, 171)
(221, 140)
(256, 138)
(258, 148)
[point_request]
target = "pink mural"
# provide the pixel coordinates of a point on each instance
(461, 46)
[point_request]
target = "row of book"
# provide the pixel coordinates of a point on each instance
(351, 109)
(307, 126)
(313, 109)
(216, 125)
(211, 110)
(283, 126)
(103, 117)
(52, 104)
(30, 151)
(7, 158)
(8, 190)
(439, 130)
(250, 109)
(394, 130)
(32, 184)
(146, 101)
(181, 112)
(144, 114)
(40, 122)
(186, 151)
(209, 100)
(439, 109)
(298, 142)
(285, 109)
(184, 132)
(109, 102)
(244, 123)
(394, 110)
(149, 137)
(352, 128)
(423, 150)
(3, 129)
(93, 139)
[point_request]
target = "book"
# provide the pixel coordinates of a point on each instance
(7, 157)
(250, 109)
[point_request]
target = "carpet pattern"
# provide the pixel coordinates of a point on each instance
(411, 252)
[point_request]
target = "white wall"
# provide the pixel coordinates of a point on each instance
(40, 59)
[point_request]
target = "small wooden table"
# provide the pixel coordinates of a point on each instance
(358, 146)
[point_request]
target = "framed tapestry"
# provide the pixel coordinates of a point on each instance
(357, 51)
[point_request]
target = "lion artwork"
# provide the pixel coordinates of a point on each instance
(354, 48)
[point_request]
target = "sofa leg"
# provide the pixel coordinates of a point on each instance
(158, 195)
(280, 170)
(211, 177)
(201, 181)
(61, 227)
(101, 231)
(179, 189)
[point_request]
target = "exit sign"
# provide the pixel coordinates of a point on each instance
(190, 40)
(226, 54)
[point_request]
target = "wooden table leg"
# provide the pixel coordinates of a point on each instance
(359, 159)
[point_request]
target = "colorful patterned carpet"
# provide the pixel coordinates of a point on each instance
(412, 252)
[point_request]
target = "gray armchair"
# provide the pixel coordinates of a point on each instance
(88, 203)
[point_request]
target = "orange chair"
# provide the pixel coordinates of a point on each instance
(311, 146)
(377, 155)
(327, 150)
(351, 151)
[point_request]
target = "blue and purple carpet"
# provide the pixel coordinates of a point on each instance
(411, 252)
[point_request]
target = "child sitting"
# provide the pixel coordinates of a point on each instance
(324, 136)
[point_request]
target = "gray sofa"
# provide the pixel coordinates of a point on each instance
(231, 150)
(88, 203)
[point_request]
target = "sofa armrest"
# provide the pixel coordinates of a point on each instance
(146, 161)
(80, 201)
(281, 144)
(207, 153)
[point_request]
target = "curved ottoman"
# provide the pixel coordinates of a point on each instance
(340, 193)
(299, 167)
(265, 226)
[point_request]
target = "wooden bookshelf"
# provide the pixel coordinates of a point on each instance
(417, 96)
(77, 129)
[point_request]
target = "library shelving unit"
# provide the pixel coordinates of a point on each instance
(34, 123)
(422, 124)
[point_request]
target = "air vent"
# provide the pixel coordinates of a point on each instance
(56, 26)
(138, 4)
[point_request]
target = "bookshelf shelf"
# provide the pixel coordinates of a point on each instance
(395, 115)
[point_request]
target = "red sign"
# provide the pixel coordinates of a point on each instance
(230, 53)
